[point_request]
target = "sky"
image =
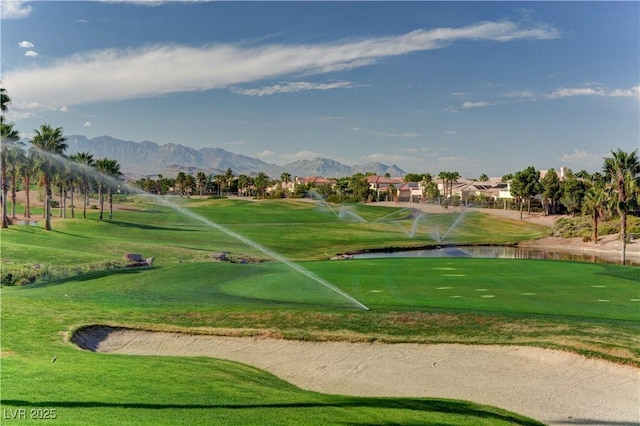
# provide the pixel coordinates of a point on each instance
(475, 87)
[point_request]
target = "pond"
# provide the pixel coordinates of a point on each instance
(500, 252)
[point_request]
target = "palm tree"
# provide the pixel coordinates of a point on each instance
(243, 182)
(228, 178)
(15, 159)
(27, 170)
(453, 178)
(85, 161)
(201, 182)
(261, 182)
(48, 141)
(4, 99)
(9, 139)
(594, 204)
(286, 178)
(111, 169)
(623, 169)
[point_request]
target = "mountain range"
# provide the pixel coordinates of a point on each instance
(148, 159)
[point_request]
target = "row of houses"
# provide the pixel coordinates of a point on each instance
(397, 189)
(464, 189)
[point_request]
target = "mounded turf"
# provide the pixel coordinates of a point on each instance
(582, 307)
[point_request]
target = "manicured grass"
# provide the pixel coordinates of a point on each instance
(542, 303)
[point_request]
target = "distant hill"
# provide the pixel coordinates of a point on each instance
(146, 158)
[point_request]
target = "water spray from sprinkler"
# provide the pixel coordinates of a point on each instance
(243, 239)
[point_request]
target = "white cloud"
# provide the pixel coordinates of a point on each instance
(388, 158)
(582, 157)
(397, 135)
(593, 89)
(265, 154)
(450, 132)
(292, 87)
(14, 9)
(113, 74)
(387, 134)
(302, 155)
(480, 104)
(152, 3)
(63, 108)
(234, 143)
(31, 53)
(26, 44)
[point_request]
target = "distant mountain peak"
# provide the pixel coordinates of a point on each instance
(148, 158)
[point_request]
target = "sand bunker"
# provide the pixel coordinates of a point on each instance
(551, 386)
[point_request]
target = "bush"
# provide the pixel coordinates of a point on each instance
(582, 226)
(17, 275)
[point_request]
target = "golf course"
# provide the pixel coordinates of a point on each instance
(240, 316)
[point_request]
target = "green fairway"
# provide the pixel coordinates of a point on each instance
(587, 308)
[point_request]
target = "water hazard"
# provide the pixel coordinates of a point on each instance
(499, 252)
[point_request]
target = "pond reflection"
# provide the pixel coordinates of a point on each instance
(500, 252)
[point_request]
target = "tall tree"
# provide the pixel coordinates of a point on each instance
(201, 182)
(228, 179)
(444, 176)
(189, 185)
(5, 100)
(622, 169)
(573, 192)
(286, 178)
(85, 163)
(9, 141)
(27, 171)
(15, 159)
(526, 185)
(49, 142)
(430, 187)
(594, 205)
(219, 180)
(180, 181)
(551, 190)
(261, 182)
(111, 171)
(243, 182)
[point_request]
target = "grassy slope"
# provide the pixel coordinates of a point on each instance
(182, 292)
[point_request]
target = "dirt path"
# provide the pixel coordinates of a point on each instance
(551, 386)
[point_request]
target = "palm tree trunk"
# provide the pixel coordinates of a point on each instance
(100, 200)
(5, 218)
(73, 213)
(60, 202)
(47, 204)
(64, 202)
(110, 204)
(623, 235)
(27, 203)
(14, 188)
(521, 207)
(86, 200)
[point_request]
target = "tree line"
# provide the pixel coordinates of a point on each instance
(46, 163)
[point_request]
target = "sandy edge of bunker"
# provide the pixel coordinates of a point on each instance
(552, 386)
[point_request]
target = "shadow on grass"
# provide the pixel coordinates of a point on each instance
(146, 226)
(424, 405)
(621, 272)
(87, 276)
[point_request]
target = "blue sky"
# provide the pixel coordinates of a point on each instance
(473, 87)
